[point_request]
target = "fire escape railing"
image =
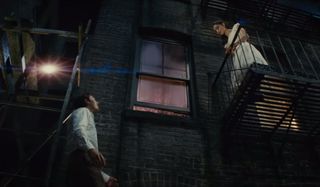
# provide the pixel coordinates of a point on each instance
(61, 121)
(74, 82)
(280, 98)
(263, 12)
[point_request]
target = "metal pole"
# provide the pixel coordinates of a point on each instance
(20, 176)
(315, 54)
(275, 53)
(287, 57)
(264, 52)
(304, 51)
(41, 31)
(295, 52)
(64, 108)
(30, 157)
(30, 106)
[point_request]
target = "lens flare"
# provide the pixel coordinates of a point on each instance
(49, 69)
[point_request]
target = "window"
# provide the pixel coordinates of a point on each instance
(162, 80)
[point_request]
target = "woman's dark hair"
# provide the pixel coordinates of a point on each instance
(218, 22)
(80, 101)
(224, 38)
(221, 21)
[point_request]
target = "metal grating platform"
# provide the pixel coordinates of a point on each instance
(270, 13)
(274, 106)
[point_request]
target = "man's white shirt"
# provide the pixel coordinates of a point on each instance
(83, 133)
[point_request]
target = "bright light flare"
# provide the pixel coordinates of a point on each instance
(49, 69)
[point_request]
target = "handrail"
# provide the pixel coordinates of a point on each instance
(58, 130)
(272, 97)
(42, 31)
(30, 157)
(61, 121)
(64, 108)
(225, 58)
(20, 176)
(36, 107)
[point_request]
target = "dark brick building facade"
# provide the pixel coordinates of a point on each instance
(146, 149)
(152, 149)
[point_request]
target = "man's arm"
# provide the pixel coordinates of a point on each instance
(243, 36)
(97, 158)
(109, 180)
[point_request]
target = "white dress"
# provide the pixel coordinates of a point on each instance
(244, 55)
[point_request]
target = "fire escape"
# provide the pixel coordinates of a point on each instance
(32, 114)
(280, 100)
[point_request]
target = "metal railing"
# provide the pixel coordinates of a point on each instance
(264, 12)
(64, 107)
(56, 133)
(256, 70)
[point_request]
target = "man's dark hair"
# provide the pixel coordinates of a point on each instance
(80, 101)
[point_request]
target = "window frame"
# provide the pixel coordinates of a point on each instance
(164, 37)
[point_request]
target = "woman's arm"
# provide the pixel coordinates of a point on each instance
(241, 37)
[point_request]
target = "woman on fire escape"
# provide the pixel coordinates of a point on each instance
(243, 53)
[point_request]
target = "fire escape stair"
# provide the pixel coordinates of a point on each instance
(274, 106)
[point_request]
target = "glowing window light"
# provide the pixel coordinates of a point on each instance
(49, 69)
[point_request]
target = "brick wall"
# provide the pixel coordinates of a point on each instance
(108, 49)
(161, 152)
(150, 153)
(152, 150)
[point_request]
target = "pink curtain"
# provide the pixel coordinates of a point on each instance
(162, 91)
(165, 60)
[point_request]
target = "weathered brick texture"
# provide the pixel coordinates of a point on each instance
(154, 150)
